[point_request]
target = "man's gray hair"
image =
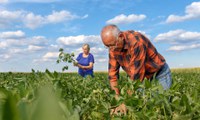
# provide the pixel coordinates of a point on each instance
(115, 31)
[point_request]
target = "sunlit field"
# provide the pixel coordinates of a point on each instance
(67, 96)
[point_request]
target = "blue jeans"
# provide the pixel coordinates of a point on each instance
(164, 77)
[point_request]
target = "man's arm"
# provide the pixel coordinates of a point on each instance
(113, 72)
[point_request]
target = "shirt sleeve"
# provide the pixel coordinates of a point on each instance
(91, 59)
(113, 71)
(137, 61)
(79, 57)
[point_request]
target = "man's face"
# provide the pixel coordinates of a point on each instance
(117, 44)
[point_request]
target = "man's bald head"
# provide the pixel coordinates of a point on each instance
(109, 34)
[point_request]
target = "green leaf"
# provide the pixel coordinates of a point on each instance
(147, 84)
(10, 111)
(61, 50)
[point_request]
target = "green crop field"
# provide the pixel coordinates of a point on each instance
(67, 96)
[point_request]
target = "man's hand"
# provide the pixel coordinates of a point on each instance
(120, 110)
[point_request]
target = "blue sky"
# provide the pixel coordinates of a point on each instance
(31, 31)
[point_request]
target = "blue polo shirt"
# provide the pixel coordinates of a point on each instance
(85, 61)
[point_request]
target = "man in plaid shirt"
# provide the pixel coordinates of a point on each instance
(136, 55)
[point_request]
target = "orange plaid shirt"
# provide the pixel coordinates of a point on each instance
(139, 58)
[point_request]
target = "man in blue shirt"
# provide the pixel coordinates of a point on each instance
(85, 61)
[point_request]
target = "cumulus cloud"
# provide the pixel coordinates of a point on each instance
(3, 1)
(8, 17)
(11, 43)
(192, 11)
(14, 51)
(16, 43)
(126, 19)
(178, 36)
(102, 60)
(18, 38)
(48, 57)
(74, 44)
(38, 40)
(72, 41)
(31, 1)
(4, 57)
(12, 35)
(184, 47)
(51, 55)
(85, 16)
(56, 17)
(180, 39)
(32, 21)
(34, 48)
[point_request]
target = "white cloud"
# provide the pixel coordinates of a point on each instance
(12, 35)
(79, 40)
(71, 29)
(54, 47)
(32, 21)
(85, 16)
(32, 1)
(16, 44)
(12, 15)
(126, 19)
(102, 60)
(181, 40)
(178, 36)
(3, 44)
(8, 17)
(38, 40)
(4, 57)
(49, 56)
(12, 43)
(14, 51)
(18, 38)
(18, 52)
(61, 16)
(192, 11)
(183, 47)
(98, 50)
(3, 1)
(100, 54)
(35, 48)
